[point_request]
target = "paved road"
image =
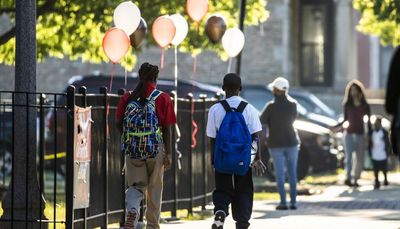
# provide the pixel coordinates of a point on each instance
(338, 207)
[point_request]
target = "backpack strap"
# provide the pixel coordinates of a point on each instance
(154, 94)
(226, 106)
(241, 107)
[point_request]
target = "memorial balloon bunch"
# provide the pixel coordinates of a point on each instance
(130, 29)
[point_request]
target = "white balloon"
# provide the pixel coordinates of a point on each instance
(127, 17)
(182, 28)
(233, 41)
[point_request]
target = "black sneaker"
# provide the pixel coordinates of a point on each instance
(293, 207)
(377, 185)
(386, 183)
(348, 183)
(281, 207)
(219, 220)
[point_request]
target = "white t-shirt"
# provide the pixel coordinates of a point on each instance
(217, 114)
(378, 146)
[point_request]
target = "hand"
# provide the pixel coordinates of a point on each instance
(332, 128)
(167, 161)
(259, 166)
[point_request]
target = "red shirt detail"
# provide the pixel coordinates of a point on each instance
(164, 107)
(355, 117)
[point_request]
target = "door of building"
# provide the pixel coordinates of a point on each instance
(316, 42)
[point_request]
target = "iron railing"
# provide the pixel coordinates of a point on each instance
(55, 160)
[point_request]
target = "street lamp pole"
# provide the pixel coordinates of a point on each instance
(241, 27)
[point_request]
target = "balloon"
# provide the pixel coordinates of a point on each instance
(197, 9)
(127, 17)
(215, 28)
(115, 44)
(233, 41)
(163, 31)
(138, 36)
(182, 28)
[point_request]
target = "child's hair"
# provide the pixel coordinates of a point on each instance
(378, 118)
(147, 73)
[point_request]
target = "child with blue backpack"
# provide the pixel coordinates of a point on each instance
(233, 127)
(145, 117)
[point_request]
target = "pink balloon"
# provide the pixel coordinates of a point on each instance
(163, 31)
(115, 44)
(197, 9)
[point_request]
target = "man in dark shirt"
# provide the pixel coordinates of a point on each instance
(282, 140)
(392, 104)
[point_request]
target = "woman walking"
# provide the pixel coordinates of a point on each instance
(283, 141)
(356, 112)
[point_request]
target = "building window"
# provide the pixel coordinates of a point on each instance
(316, 43)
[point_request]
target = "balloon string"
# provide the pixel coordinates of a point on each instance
(108, 100)
(195, 56)
(229, 65)
(194, 64)
(176, 80)
(111, 80)
(162, 58)
(126, 73)
(195, 127)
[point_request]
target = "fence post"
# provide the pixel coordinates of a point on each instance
(41, 151)
(190, 210)
(82, 90)
(204, 160)
(70, 158)
(175, 161)
(55, 162)
(121, 92)
(103, 90)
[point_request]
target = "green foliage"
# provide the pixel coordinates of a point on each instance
(380, 18)
(74, 29)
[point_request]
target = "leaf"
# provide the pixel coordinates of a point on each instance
(380, 18)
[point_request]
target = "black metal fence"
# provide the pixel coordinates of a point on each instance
(24, 170)
(187, 185)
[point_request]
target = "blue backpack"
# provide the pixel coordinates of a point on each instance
(141, 135)
(232, 152)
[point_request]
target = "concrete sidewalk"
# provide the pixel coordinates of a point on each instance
(338, 207)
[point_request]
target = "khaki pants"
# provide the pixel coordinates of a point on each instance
(145, 177)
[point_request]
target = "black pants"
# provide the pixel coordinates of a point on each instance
(235, 190)
(380, 166)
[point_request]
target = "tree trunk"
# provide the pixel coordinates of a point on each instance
(23, 201)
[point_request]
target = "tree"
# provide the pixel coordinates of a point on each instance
(380, 18)
(74, 28)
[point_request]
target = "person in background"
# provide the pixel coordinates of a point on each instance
(145, 117)
(283, 142)
(392, 104)
(379, 148)
(356, 110)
